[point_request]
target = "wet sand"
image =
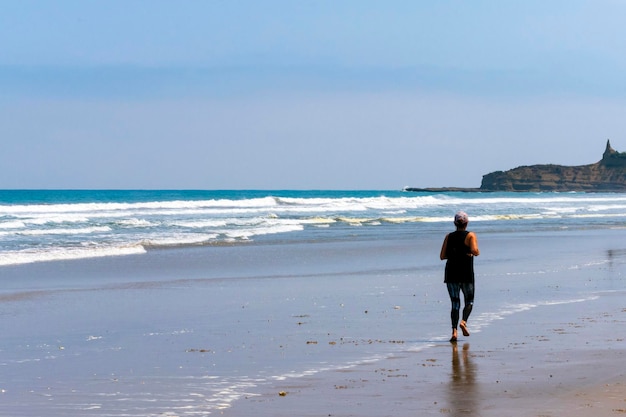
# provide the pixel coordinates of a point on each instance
(351, 328)
(573, 364)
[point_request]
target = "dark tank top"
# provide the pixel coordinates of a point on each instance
(460, 263)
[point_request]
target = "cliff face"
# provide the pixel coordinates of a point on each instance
(609, 174)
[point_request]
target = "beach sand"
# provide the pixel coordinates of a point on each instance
(573, 365)
(555, 359)
(350, 328)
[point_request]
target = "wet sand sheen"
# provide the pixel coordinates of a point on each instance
(538, 368)
(350, 328)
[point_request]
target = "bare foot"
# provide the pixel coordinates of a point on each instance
(453, 338)
(463, 327)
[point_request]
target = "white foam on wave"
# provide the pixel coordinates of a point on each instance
(263, 230)
(40, 227)
(360, 204)
(12, 224)
(47, 218)
(603, 207)
(151, 205)
(318, 221)
(508, 208)
(134, 222)
(597, 215)
(179, 239)
(510, 216)
(484, 319)
(58, 254)
(201, 223)
(542, 198)
(190, 222)
(64, 231)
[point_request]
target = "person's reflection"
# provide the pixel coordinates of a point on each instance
(463, 396)
(610, 254)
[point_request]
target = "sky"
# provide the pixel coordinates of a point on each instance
(297, 94)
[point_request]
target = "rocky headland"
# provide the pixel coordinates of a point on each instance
(606, 175)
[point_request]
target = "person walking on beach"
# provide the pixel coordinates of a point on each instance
(459, 249)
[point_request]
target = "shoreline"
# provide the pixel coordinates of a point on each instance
(445, 190)
(547, 369)
(357, 327)
(484, 190)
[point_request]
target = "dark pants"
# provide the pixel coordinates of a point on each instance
(454, 290)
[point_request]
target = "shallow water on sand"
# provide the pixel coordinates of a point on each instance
(189, 331)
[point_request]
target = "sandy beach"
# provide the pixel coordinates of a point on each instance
(556, 359)
(348, 328)
(573, 367)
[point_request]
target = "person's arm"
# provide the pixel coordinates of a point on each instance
(444, 248)
(472, 241)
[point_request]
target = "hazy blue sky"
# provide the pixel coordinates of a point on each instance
(352, 94)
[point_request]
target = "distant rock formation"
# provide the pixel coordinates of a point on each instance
(609, 174)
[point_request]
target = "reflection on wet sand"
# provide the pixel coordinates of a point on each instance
(615, 256)
(463, 389)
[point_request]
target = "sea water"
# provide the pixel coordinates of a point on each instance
(54, 225)
(181, 302)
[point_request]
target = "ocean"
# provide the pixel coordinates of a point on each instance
(46, 225)
(184, 303)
